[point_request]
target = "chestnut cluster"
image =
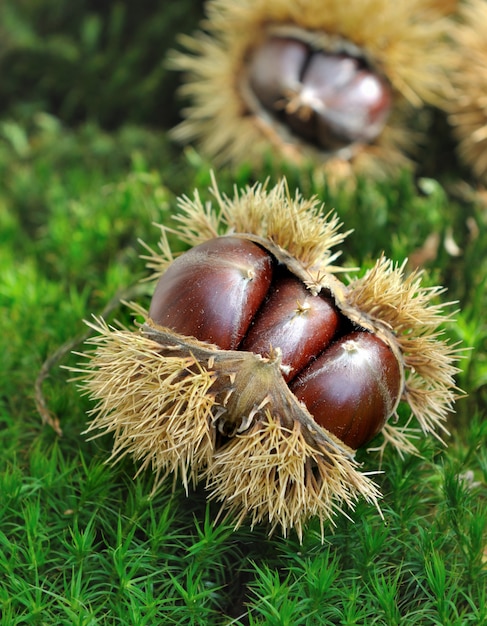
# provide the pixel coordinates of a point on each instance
(330, 99)
(232, 292)
(258, 372)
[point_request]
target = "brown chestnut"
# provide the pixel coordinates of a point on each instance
(352, 388)
(276, 69)
(294, 320)
(231, 292)
(213, 291)
(331, 100)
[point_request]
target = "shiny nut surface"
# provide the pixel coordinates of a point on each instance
(231, 292)
(350, 388)
(213, 291)
(295, 321)
(331, 100)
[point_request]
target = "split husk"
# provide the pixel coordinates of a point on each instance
(226, 418)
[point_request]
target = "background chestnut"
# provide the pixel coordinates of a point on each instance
(352, 388)
(350, 103)
(331, 100)
(275, 71)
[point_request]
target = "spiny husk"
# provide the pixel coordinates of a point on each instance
(157, 406)
(274, 475)
(227, 418)
(468, 109)
(404, 40)
(167, 399)
(295, 227)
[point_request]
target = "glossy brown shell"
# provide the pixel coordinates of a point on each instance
(230, 291)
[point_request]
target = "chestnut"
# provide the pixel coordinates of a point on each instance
(213, 291)
(259, 372)
(331, 100)
(350, 103)
(295, 321)
(351, 388)
(275, 70)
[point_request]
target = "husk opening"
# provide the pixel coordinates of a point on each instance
(406, 41)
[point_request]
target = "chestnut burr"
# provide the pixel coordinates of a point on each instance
(258, 371)
(345, 87)
(226, 291)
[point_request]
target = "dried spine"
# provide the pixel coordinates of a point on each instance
(468, 107)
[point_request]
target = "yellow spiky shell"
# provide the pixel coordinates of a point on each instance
(468, 107)
(182, 406)
(404, 40)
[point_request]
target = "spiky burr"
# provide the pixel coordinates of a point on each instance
(272, 434)
(341, 85)
(468, 108)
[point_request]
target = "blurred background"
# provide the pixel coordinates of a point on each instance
(92, 60)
